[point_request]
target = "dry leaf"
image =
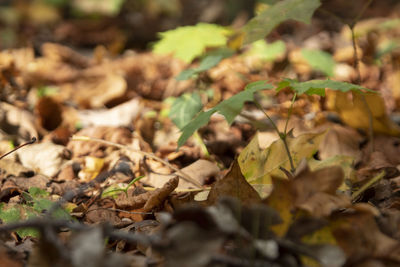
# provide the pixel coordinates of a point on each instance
(235, 185)
(199, 170)
(45, 158)
(353, 111)
(158, 196)
(119, 116)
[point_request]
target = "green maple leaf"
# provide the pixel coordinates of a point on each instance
(230, 108)
(189, 42)
(261, 25)
(317, 87)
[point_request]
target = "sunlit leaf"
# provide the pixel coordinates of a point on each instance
(258, 166)
(265, 51)
(189, 42)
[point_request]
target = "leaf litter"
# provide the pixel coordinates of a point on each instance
(132, 201)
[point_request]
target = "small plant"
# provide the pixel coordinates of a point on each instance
(36, 203)
(232, 107)
(114, 191)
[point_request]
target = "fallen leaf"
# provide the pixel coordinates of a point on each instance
(49, 113)
(158, 196)
(122, 115)
(199, 170)
(16, 121)
(10, 167)
(340, 140)
(45, 158)
(235, 185)
(353, 111)
(91, 168)
(360, 238)
(39, 181)
(259, 165)
(84, 148)
(315, 191)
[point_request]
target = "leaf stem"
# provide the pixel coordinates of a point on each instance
(281, 135)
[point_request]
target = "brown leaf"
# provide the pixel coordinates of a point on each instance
(39, 181)
(159, 195)
(16, 121)
(49, 113)
(65, 54)
(132, 201)
(90, 148)
(316, 191)
(149, 200)
(10, 167)
(199, 170)
(99, 213)
(340, 140)
(360, 238)
(235, 185)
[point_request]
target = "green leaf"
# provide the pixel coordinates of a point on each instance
(265, 51)
(185, 108)
(36, 192)
(261, 25)
(13, 214)
(189, 42)
(10, 215)
(209, 61)
(187, 74)
(319, 60)
(230, 108)
(317, 87)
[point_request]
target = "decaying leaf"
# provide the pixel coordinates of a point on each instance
(149, 200)
(199, 170)
(46, 158)
(234, 185)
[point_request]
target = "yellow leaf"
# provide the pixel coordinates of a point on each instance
(321, 236)
(235, 41)
(258, 165)
(92, 168)
(353, 111)
(281, 200)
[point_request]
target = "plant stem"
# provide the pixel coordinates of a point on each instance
(281, 135)
(290, 113)
(180, 173)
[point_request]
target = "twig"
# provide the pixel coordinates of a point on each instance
(33, 140)
(180, 173)
(367, 185)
